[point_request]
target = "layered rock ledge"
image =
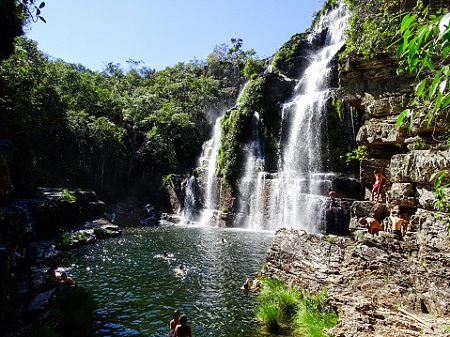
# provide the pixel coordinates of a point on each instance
(380, 286)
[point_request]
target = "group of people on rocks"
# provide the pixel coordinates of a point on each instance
(397, 219)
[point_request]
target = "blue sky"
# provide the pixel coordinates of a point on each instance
(162, 33)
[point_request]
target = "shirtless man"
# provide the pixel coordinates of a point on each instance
(372, 224)
(182, 329)
(380, 180)
(174, 322)
(397, 223)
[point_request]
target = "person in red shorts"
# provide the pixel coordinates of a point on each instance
(380, 180)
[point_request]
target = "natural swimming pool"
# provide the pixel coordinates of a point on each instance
(136, 288)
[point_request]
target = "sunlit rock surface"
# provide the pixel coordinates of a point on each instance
(379, 285)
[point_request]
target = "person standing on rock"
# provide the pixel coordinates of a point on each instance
(398, 221)
(380, 180)
(372, 224)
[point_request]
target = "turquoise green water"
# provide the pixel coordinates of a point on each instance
(137, 289)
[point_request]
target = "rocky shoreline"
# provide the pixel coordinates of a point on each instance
(379, 285)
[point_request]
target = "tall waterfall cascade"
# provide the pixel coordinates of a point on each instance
(295, 195)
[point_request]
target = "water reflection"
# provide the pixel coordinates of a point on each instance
(137, 287)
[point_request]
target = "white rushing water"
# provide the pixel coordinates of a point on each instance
(294, 196)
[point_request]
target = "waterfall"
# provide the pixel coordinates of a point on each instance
(296, 193)
(209, 213)
(207, 165)
(249, 203)
(189, 212)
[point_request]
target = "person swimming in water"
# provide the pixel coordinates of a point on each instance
(182, 329)
(173, 323)
(181, 270)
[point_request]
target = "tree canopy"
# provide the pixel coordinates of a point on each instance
(111, 130)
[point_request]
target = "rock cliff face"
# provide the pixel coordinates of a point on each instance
(381, 286)
(408, 158)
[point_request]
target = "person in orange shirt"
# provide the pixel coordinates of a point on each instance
(372, 224)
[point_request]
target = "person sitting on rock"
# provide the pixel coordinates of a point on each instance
(54, 278)
(66, 281)
(372, 224)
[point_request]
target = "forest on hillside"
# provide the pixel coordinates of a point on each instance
(114, 131)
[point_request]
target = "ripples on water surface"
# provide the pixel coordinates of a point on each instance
(136, 288)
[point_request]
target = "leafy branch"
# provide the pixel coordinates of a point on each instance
(423, 49)
(30, 9)
(442, 201)
(357, 154)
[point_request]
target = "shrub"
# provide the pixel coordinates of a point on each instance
(309, 314)
(314, 315)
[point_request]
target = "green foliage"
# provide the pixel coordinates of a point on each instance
(310, 314)
(372, 27)
(423, 49)
(253, 67)
(111, 130)
(76, 306)
(358, 154)
(441, 188)
(287, 50)
(71, 313)
(235, 125)
(29, 9)
(68, 196)
(269, 314)
(314, 315)
(338, 106)
(64, 238)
